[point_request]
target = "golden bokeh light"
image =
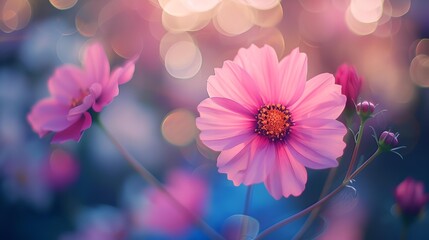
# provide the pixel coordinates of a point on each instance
(179, 128)
(268, 18)
(63, 4)
(358, 27)
(183, 60)
(233, 18)
(14, 15)
(419, 70)
(366, 11)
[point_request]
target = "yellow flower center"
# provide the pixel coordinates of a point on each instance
(79, 100)
(273, 121)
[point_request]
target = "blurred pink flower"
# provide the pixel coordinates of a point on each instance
(351, 83)
(75, 91)
(269, 122)
(344, 225)
(411, 198)
(160, 215)
(61, 169)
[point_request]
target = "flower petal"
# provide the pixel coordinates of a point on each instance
(288, 177)
(322, 98)
(67, 83)
(96, 64)
(75, 131)
(309, 141)
(249, 162)
(88, 101)
(224, 123)
(292, 77)
(119, 76)
(233, 82)
(262, 66)
(48, 115)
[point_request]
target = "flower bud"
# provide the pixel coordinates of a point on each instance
(388, 140)
(365, 109)
(350, 82)
(410, 199)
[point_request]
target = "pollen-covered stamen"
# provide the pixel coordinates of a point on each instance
(273, 121)
(79, 100)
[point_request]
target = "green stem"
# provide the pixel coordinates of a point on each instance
(315, 213)
(404, 232)
(248, 198)
(302, 213)
(153, 181)
(356, 149)
(244, 223)
(325, 190)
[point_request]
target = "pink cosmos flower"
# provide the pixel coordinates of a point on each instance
(74, 91)
(269, 122)
(158, 214)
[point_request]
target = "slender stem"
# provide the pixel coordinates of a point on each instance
(320, 202)
(300, 214)
(364, 165)
(153, 181)
(245, 222)
(356, 149)
(248, 200)
(316, 211)
(326, 187)
(404, 232)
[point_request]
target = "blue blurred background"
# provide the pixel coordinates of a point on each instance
(91, 193)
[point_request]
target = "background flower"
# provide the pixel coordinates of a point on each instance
(74, 91)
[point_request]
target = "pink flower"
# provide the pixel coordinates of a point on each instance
(269, 122)
(74, 91)
(160, 215)
(411, 198)
(61, 169)
(351, 83)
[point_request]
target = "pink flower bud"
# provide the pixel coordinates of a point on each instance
(388, 140)
(365, 109)
(350, 82)
(410, 199)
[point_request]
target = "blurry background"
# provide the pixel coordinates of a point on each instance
(87, 191)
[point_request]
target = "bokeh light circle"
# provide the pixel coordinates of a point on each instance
(63, 4)
(179, 128)
(183, 60)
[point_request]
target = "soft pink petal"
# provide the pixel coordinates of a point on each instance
(317, 143)
(67, 83)
(124, 73)
(292, 77)
(96, 64)
(288, 177)
(224, 123)
(119, 76)
(262, 65)
(75, 131)
(233, 82)
(88, 101)
(48, 115)
(248, 163)
(322, 98)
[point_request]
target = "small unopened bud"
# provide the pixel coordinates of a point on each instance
(410, 199)
(365, 109)
(350, 82)
(388, 140)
